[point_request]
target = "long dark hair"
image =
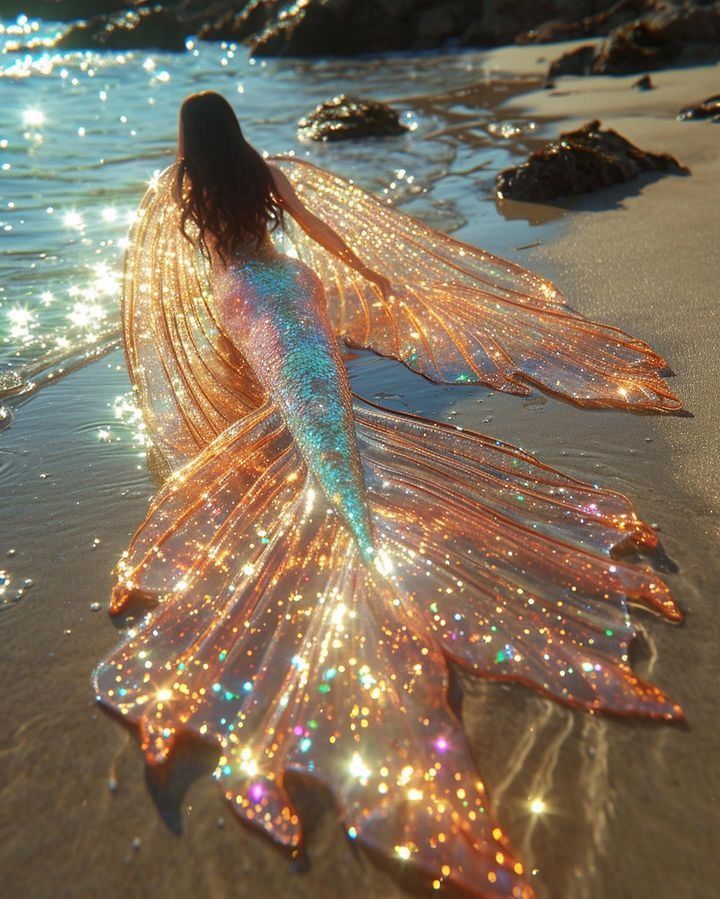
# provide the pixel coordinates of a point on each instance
(223, 185)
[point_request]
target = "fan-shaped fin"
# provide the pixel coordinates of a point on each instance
(273, 639)
(512, 562)
(462, 315)
(191, 381)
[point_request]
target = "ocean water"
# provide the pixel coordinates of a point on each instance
(82, 133)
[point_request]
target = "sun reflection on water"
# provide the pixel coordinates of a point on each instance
(78, 144)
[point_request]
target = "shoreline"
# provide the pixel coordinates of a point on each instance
(76, 795)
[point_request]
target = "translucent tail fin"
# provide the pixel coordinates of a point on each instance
(512, 563)
(272, 639)
(462, 315)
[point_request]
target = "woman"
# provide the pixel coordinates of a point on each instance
(316, 560)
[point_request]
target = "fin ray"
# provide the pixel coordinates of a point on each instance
(462, 315)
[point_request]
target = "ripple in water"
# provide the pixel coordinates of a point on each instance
(83, 132)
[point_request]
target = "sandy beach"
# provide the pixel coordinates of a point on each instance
(632, 809)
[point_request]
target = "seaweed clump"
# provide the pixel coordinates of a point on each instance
(578, 162)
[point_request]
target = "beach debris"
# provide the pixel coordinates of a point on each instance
(95, 606)
(644, 84)
(708, 109)
(345, 117)
(581, 161)
(136, 843)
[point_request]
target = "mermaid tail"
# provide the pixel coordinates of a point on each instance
(462, 315)
(273, 638)
(318, 561)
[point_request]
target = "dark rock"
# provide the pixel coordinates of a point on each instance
(66, 10)
(644, 84)
(667, 33)
(155, 28)
(708, 109)
(492, 22)
(343, 118)
(437, 23)
(633, 48)
(580, 161)
(689, 33)
(336, 28)
(574, 62)
(342, 27)
(233, 25)
(594, 25)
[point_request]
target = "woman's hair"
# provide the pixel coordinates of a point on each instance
(224, 186)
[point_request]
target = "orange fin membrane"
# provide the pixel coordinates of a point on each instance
(190, 380)
(462, 315)
(273, 640)
(511, 562)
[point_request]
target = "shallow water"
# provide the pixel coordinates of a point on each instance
(82, 133)
(597, 808)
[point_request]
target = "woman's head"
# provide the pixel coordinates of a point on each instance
(224, 185)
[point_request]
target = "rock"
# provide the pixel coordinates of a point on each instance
(632, 49)
(644, 84)
(689, 33)
(594, 25)
(580, 161)
(159, 29)
(708, 109)
(574, 62)
(667, 33)
(342, 27)
(238, 26)
(334, 28)
(475, 33)
(493, 22)
(436, 23)
(67, 10)
(344, 118)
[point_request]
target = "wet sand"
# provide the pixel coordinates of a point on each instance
(631, 808)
